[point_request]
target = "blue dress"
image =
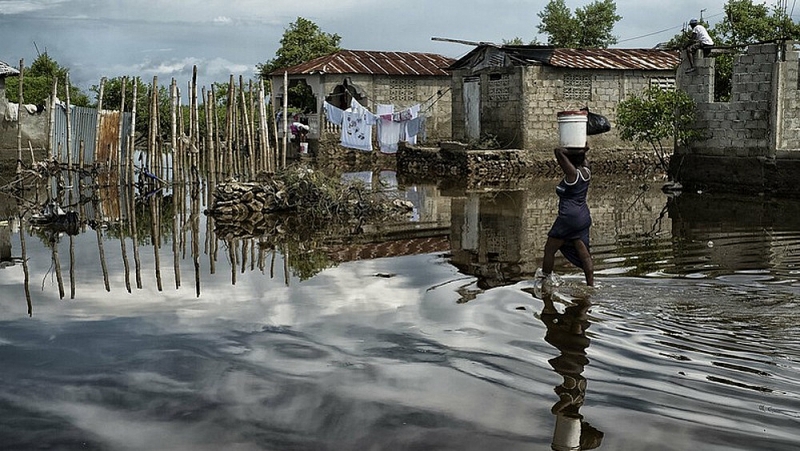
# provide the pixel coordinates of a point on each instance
(574, 220)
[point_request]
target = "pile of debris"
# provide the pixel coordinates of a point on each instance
(311, 195)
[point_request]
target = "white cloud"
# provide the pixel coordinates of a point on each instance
(222, 20)
(11, 7)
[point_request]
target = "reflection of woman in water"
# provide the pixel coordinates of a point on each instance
(567, 332)
(570, 232)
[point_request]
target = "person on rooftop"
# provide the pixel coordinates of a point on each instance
(700, 40)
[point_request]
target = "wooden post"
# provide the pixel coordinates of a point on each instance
(19, 118)
(51, 119)
(132, 137)
(229, 127)
(248, 135)
(99, 118)
(121, 127)
(262, 127)
(285, 118)
(69, 123)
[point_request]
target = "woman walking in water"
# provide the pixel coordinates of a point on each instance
(570, 231)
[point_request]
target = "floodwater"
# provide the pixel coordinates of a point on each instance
(424, 335)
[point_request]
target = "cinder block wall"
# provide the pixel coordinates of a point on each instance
(753, 143)
(742, 126)
(545, 96)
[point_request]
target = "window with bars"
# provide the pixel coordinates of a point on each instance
(577, 87)
(665, 83)
(402, 90)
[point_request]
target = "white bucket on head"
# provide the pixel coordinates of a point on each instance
(572, 128)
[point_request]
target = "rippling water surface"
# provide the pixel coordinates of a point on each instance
(428, 335)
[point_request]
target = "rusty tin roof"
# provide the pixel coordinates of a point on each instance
(607, 59)
(374, 63)
(616, 59)
(6, 70)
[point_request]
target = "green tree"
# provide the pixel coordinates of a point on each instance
(301, 42)
(590, 27)
(37, 83)
(660, 118)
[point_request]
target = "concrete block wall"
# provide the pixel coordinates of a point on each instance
(787, 133)
(544, 97)
(742, 126)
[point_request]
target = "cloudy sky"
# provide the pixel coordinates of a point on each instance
(109, 38)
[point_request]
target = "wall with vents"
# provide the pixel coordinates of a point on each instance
(519, 103)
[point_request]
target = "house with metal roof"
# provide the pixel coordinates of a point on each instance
(5, 71)
(512, 93)
(402, 79)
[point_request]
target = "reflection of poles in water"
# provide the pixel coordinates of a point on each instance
(125, 192)
(57, 264)
(25, 270)
(177, 178)
(98, 230)
(567, 333)
(196, 234)
(232, 244)
(71, 267)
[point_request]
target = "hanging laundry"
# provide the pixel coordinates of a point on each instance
(357, 127)
(412, 138)
(333, 114)
(388, 130)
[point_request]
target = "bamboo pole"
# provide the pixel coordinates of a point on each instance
(51, 118)
(71, 267)
(285, 119)
(69, 125)
(247, 134)
(99, 118)
(132, 208)
(19, 117)
(121, 125)
(229, 127)
(262, 127)
(274, 121)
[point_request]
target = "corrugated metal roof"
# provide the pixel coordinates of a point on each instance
(616, 59)
(6, 70)
(374, 63)
(611, 59)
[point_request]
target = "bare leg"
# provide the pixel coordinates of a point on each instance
(586, 261)
(550, 249)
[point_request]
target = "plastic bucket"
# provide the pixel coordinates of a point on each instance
(572, 128)
(304, 148)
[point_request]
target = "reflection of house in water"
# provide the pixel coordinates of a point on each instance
(735, 233)
(427, 232)
(488, 237)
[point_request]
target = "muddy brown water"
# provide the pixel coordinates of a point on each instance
(427, 334)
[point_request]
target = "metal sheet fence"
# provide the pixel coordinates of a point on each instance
(84, 129)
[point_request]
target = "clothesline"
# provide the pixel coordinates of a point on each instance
(356, 125)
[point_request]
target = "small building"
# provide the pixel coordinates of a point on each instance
(32, 119)
(402, 79)
(512, 93)
(752, 141)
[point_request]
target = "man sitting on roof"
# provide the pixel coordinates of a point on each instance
(700, 40)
